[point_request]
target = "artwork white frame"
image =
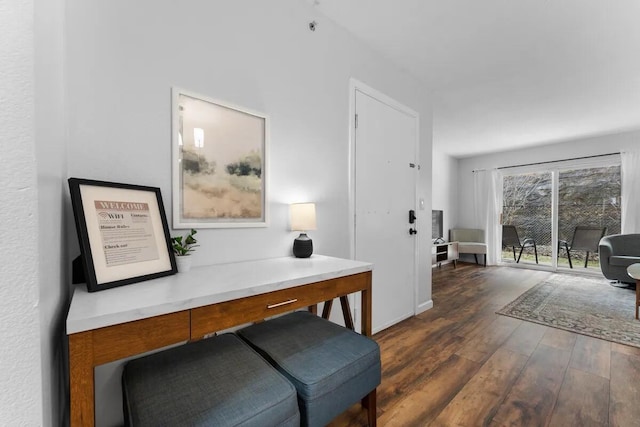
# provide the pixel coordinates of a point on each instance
(219, 163)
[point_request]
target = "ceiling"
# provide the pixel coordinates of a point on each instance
(507, 74)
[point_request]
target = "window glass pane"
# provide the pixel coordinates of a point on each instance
(527, 207)
(587, 198)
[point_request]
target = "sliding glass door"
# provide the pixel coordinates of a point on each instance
(527, 218)
(560, 213)
(588, 208)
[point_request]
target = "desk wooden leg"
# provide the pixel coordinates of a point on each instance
(637, 296)
(81, 382)
(365, 308)
(346, 313)
(326, 310)
(313, 309)
(369, 403)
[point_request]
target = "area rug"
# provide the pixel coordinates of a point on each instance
(584, 305)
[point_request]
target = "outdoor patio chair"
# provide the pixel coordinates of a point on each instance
(584, 239)
(511, 239)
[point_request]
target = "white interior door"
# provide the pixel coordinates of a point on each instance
(385, 191)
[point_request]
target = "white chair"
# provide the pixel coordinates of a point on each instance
(470, 241)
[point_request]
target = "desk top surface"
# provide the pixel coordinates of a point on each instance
(201, 286)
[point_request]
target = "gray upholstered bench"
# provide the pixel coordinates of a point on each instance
(219, 381)
(331, 367)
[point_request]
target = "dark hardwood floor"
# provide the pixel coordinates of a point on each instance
(460, 364)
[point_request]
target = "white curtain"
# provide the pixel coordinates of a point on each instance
(488, 207)
(630, 171)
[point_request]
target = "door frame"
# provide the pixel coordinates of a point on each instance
(356, 85)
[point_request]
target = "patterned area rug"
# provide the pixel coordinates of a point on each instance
(584, 305)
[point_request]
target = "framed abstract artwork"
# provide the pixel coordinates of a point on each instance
(219, 170)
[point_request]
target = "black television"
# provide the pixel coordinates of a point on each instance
(436, 225)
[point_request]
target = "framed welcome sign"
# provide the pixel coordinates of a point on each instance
(122, 231)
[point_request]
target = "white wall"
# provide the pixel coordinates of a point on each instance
(20, 382)
(123, 61)
(559, 151)
(124, 57)
(51, 152)
(445, 189)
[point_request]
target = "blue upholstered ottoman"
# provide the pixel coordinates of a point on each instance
(331, 367)
(219, 381)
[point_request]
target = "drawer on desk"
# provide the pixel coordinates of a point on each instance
(127, 339)
(215, 317)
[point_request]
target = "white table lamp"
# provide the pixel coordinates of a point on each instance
(303, 219)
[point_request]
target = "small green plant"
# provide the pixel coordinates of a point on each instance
(183, 245)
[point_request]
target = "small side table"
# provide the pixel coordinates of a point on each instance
(634, 272)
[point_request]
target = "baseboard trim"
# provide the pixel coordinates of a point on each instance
(391, 323)
(420, 309)
(424, 306)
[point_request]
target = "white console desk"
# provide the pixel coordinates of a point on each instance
(121, 322)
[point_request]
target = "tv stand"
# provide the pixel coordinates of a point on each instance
(442, 252)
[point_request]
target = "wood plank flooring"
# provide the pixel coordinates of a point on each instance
(460, 364)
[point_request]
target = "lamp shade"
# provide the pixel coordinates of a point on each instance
(303, 216)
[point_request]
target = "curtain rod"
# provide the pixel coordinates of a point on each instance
(558, 161)
(552, 161)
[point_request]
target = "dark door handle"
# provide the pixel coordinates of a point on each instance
(413, 231)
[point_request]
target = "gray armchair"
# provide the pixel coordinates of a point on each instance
(617, 252)
(470, 241)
